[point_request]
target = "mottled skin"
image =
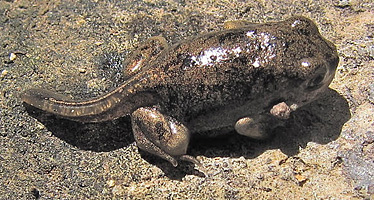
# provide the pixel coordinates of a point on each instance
(249, 77)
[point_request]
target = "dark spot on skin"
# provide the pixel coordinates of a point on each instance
(158, 125)
(242, 59)
(209, 37)
(228, 36)
(303, 31)
(174, 62)
(187, 62)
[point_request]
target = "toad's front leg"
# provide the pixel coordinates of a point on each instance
(260, 127)
(161, 135)
(257, 128)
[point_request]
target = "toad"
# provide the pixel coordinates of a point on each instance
(248, 78)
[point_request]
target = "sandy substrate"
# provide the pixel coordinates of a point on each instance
(325, 151)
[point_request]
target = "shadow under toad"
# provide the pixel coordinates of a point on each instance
(320, 122)
(97, 137)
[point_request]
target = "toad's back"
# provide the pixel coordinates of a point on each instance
(235, 66)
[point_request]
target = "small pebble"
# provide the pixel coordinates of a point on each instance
(111, 183)
(343, 3)
(99, 43)
(12, 56)
(3, 73)
(40, 126)
(300, 178)
(82, 70)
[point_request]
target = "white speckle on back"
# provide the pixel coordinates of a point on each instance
(138, 64)
(206, 58)
(215, 55)
(256, 63)
(305, 64)
(295, 23)
(250, 34)
(237, 51)
(173, 128)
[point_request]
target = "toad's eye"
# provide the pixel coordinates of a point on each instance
(315, 82)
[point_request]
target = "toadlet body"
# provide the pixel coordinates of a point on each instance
(247, 78)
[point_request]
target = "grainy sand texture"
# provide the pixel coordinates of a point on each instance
(76, 48)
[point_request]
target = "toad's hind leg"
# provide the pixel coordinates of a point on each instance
(161, 135)
(145, 53)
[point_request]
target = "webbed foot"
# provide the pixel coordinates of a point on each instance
(161, 135)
